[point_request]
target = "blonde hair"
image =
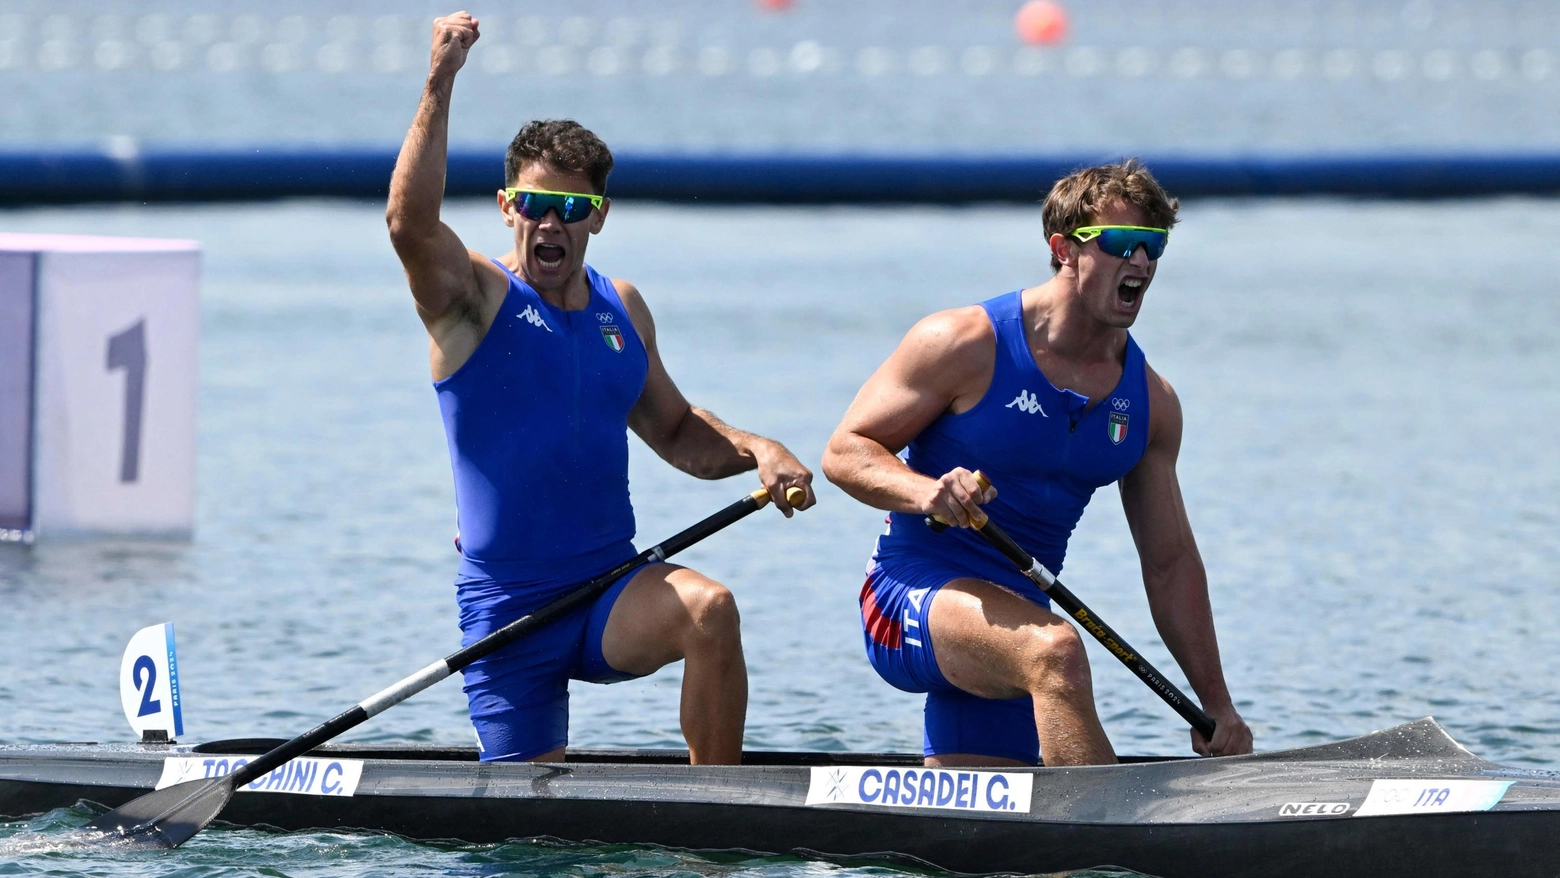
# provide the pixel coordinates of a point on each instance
(1080, 198)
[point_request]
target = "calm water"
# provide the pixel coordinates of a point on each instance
(1371, 390)
(1371, 396)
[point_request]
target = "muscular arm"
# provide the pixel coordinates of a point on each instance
(943, 364)
(447, 281)
(693, 439)
(1173, 572)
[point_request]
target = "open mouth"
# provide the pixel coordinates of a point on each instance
(548, 255)
(1130, 290)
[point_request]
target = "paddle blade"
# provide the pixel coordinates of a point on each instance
(168, 817)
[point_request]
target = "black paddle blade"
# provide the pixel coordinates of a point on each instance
(168, 817)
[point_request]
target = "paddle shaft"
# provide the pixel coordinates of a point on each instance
(504, 636)
(1096, 626)
(1086, 617)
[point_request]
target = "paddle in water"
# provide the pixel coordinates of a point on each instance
(1086, 617)
(169, 817)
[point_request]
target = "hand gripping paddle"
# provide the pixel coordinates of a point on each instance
(169, 817)
(1086, 617)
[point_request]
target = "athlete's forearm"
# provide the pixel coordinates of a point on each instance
(872, 474)
(1178, 599)
(706, 447)
(417, 186)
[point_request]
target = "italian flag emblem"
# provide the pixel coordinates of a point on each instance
(613, 337)
(1117, 428)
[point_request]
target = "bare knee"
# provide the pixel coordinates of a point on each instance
(1058, 663)
(713, 620)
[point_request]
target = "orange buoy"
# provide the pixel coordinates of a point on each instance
(1041, 23)
(775, 5)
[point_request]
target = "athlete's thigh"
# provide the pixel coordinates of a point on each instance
(982, 633)
(645, 628)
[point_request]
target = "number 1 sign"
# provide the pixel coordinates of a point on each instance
(98, 346)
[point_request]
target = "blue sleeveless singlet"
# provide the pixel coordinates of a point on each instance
(537, 424)
(1043, 448)
(1046, 451)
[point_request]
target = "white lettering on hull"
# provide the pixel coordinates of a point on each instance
(306, 776)
(947, 789)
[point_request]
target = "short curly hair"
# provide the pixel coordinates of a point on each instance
(1080, 198)
(564, 144)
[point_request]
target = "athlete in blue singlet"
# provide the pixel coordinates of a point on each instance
(542, 366)
(1045, 392)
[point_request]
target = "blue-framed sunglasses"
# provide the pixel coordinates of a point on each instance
(572, 207)
(1123, 241)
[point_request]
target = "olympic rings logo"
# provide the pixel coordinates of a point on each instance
(1120, 404)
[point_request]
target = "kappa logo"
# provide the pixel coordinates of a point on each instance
(530, 316)
(1028, 403)
(1314, 809)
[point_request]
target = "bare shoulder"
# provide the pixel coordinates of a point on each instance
(634, 304)
(630, 294)
(957, 339)
(490, 276)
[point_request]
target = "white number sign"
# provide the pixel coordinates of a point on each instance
(149, 682)
(98, 356)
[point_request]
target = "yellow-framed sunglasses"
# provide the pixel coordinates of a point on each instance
(572, 207)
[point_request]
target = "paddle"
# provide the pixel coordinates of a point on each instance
(169, 817)
(1091, 622)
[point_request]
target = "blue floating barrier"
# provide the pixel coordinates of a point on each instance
(67, 176)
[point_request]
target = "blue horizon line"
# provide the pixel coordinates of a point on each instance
(245, 173)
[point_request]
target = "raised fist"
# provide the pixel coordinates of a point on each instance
(453, 36)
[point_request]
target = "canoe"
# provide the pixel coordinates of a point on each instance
(1404, 801)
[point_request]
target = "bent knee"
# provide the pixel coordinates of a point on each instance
(712, 612)
(1057, 656)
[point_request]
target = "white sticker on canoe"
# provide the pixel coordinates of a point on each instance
(1431, 796)
(305, 776)
(921, 788)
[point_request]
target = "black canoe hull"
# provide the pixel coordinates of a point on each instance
(1509, 845)
(760, 809)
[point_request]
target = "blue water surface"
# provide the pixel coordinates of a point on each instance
(1371, 394)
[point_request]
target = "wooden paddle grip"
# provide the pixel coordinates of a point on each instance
(793, 495)
(940, 524)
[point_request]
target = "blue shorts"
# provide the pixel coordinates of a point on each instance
(519, 696)
(895, 603)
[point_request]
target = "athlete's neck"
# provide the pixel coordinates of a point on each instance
(569, 293)
(1059, 322)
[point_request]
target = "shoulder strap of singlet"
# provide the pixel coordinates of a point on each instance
(1134, 381)
(1134, 363)
(604, 286)
(1134, 370)
(1006, 313)
(514, 279)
